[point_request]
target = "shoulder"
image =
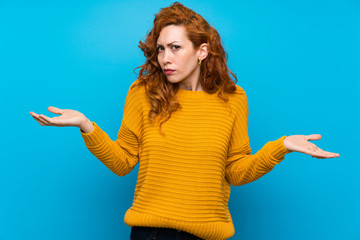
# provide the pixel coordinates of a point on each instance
(133, 111)
(239, 91)
(238, 97)
(137, 86)
(136, 91)
(238, 101)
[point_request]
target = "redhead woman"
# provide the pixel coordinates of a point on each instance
(185, 121)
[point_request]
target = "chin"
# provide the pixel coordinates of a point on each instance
(173, 81)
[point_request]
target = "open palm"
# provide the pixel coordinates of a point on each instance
(68, 118)
(299, 143)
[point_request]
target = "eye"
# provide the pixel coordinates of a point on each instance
(159, 48)
(176, 47)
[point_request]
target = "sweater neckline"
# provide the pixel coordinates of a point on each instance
(192, 94)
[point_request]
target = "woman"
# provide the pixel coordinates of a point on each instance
(185, 121)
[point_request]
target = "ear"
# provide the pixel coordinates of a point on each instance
(203, 51)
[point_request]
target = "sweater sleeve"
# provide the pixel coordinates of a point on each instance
(121, 155)
(241, 166)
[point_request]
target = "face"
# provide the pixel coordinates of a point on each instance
(177, 57)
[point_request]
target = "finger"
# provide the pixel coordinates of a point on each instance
(34, 114)
(328, 154)
(56, 110)
(55, 121)
(46, 119)
(319, 157)
(42, 122)
(314, 151)
(327, 157)
(324, 154)
(313, 137)
(331, 155)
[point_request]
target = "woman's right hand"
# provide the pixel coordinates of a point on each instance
(68, 118)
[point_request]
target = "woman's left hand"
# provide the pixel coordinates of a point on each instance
(299, 143)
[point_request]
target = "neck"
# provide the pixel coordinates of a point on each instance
(191, 87)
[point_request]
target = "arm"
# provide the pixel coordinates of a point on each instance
(241, 166)
(119, 156)
(122, 155)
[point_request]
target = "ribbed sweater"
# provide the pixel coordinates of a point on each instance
(185, 174)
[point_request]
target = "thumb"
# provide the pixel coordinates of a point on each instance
(313, 137)
(55, 110)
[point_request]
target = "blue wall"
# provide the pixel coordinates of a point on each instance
(298, 62)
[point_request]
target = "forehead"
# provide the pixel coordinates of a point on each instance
(172, 33)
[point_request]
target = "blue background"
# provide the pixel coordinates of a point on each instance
(298, 62)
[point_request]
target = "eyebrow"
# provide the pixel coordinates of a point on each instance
(157, 44)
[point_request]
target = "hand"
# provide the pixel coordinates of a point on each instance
(299, 143)
(68, 118)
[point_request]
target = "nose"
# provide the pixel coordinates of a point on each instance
(166, 56)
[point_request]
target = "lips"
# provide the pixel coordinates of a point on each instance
(168, 71)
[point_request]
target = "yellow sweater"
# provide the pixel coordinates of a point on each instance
(184, 177)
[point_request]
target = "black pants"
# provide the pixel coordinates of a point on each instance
(151, 233)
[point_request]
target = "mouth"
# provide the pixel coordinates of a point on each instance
(169, 71)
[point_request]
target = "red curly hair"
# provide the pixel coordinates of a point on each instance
(214, 73)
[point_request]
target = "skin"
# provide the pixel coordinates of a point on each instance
(176, 51)
(68, 118)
